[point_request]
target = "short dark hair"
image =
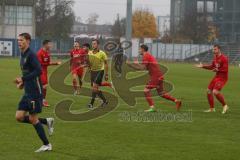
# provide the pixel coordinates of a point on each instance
(27, 36)
(145, 47)
(86, 45)
(96, 40)
(77, 42)
(46, 41)
(217, 45)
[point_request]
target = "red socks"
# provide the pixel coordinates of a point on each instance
(148, 97)
(74, 84)
(107, 84)
(150, 101)
(168, 97)
(210, 100)
(220, 98)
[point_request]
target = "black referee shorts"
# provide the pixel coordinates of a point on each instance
(96, 77)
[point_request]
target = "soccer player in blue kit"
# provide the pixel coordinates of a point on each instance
(31, 103)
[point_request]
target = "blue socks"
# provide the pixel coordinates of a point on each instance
(41, 133)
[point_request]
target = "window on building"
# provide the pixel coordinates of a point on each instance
(237, 4)
(0, 11)
(237, 27)
(227, 27)
(177, 22)
(219, 5)
(209, 18)
(210, 6)
(24, 15)
(201, 19)
(237, 16)
(228, 16)
(200, 6)
(238, 37)
(219, 17)
(228, 5)
(177, 8)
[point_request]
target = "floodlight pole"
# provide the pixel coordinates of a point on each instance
(16, 28)
(129, 26)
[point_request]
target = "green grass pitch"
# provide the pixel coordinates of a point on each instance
(208, 137)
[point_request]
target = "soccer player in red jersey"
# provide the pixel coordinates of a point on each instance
(220, 66)
(45, 60)
(78, 59)
(150, 64)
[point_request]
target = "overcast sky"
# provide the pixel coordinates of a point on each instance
(108, 9)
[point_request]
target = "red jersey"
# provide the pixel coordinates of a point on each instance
(152, 65)
(220, 65)
(44, 59)
(78, 57)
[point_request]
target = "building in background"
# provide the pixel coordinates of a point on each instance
(17, 16)
(225, 15)
(163, 24)
(91, 29)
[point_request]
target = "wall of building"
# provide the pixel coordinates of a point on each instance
(225, 14)
(17, 17)
(163, 24)
(9, 31)
(81, 28)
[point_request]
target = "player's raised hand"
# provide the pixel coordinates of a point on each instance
(128, 62)
(215, 70)
(136, 61)
(20, 86)
(18, 80)
(56, 63)
(200, 65)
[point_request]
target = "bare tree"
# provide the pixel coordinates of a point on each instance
(118, 28)
(54, 19)
(92, 19)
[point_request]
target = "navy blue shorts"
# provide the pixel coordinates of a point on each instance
(30, 104)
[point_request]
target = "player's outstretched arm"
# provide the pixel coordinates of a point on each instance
(55, 63)
(208, 67)
(136, 66)
(200, 65)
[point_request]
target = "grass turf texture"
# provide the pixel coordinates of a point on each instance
(209, 136)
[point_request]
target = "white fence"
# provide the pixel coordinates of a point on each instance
(177, 51)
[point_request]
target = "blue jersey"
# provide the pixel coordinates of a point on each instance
(31, 71)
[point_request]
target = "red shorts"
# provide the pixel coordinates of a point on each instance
(217, 84)
(44, 78)
(155, 83)
(78, 71)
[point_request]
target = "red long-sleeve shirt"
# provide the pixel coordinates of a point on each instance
(220, 66)
(152, 66)
(44, 59)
